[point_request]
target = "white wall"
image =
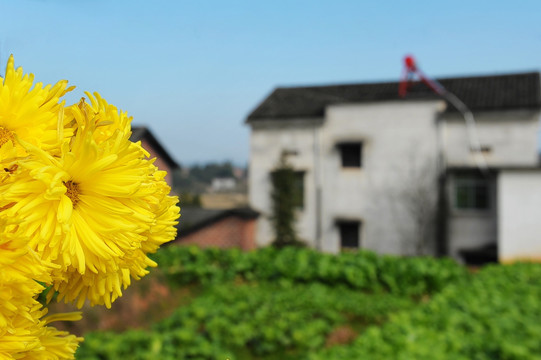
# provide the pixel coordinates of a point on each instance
(511, 135)
(399, 152)
(399, 158)
(519, 215)
(471, 229)
(400, 149)
(267, 141)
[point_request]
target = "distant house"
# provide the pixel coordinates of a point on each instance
(223, 184)
(402, 176)
(226, 228)
(164, 161)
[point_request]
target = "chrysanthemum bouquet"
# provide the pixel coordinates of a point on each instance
(81, 206)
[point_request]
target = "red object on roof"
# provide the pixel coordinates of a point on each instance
(410, 63)
(410, 71)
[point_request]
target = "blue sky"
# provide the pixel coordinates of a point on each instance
(193, 70)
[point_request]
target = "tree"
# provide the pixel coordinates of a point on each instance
(284, 197)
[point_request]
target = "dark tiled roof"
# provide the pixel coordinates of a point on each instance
(142, 132)
(479, 93)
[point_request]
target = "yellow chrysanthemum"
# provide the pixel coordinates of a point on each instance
(27, 111)
(32, 338)
(23, 330)
(21, 337)
(106, 118)
(55, 344)
(94, 210)
(166, 215)
(81, 206)
(104, 288)
(20, 267)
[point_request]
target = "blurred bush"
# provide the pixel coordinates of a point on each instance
(495, 316)
(362, 270)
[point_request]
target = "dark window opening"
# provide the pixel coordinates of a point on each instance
(351, 154)
(472, 192)
(481, 148)
(349, 234)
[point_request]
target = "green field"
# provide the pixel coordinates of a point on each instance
(297, 303)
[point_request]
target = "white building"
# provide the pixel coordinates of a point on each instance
(223, 184)
(399, 176)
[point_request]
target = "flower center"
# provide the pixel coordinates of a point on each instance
(72, 191)
(5, 136)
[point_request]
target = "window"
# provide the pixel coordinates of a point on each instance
(349, 234)
(351, 154)
(471, 192)
(482, 148)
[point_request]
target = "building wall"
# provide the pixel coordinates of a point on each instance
(512, 137)
(267, 142)
(471, 229)
(399, 147)
(399, 160)
(519, 208)
(229, 232)
(402, 142)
